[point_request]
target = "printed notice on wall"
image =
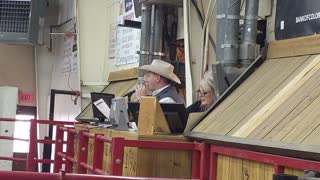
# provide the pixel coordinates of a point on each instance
(70, 61)
(112, 41)
(128, 44)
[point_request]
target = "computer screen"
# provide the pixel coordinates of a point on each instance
(107, 98)
(176, 115)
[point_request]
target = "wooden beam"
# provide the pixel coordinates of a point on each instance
(307, 45)
(151, 118)
(303, 151)
(123, 75)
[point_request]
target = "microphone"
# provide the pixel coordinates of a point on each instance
(129, 94)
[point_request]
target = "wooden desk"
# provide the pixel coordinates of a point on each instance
(145, 162)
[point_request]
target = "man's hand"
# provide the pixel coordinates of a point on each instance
(141, 90)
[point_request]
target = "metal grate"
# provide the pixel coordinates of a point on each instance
(14, 16)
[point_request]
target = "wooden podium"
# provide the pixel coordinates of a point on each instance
(151, 118)
(147, 162)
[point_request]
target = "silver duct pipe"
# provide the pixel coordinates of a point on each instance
(248, 45)
(145, 38)
(231, 43)
(152, 32)
(157, 52)
(220, 28)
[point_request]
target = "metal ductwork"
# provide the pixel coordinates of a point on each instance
(220, 24)
(152, 30)
(156, 47)
(231, 36)
(228, 50)
(145, 38)
(248, 46)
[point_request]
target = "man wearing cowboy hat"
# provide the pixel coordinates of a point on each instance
(157, 80)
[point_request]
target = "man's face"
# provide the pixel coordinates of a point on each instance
(151, 80)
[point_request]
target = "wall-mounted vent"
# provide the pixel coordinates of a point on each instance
(21, 21)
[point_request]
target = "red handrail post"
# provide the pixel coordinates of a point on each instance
(82, 152)
(58, 148)
(278, 169)
(70, 150)
(117, 152)
(204, 163)
(196, 162)
(98, 152)
(32, 145)
(213, 164)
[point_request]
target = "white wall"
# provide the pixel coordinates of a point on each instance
(52, 69)
(94, 24)
(52, 66)
(8, 108)
(17, 68)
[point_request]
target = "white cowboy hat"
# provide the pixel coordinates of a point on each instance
(163, 69)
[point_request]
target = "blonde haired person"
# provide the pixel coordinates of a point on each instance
(206, 94)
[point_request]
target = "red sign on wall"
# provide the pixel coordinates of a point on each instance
(25, 97)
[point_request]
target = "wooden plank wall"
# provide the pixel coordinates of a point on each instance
(230, 168)
(279, 102)
(145, 162)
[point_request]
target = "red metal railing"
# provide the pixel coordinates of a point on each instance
(201, 167)
(117, 152)
(65, 176)
(32, 141)
(204, 159)
(279, 162)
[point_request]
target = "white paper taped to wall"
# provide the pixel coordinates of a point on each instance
(103, 107)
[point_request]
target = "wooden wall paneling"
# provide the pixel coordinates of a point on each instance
(123, 75)
(306, 125)
(106, 157)
(253, 170)
(146, 166)
(288, 170)
(268, 171)
(180, 162)
(262, 96)
(164, 163)
(130, 161)
(236, 166)
(313, 138)
(241, 101)
(307, 45)
(298, 172)
(302, 98)
(220, 168)
(291, 125)
(283, 127)
(287, 107)
(90, 151)
(213, 116)
(226, 168)
(121, 87)
(277, 100)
